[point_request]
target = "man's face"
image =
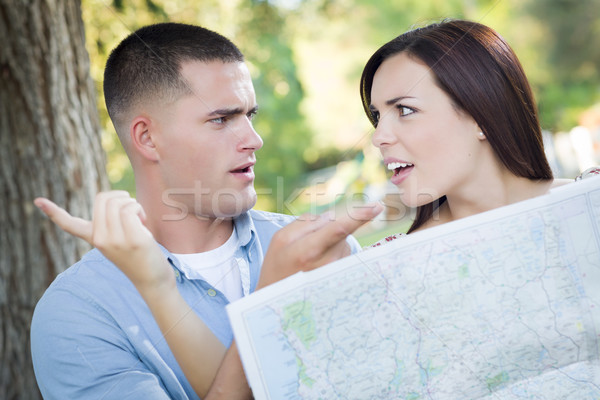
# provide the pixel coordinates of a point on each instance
(206, 143)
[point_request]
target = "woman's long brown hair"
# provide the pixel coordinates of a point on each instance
(484, 78)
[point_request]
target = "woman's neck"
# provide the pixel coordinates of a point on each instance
(485, 196)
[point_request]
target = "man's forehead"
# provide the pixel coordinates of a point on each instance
(220, 85)
(232, 70)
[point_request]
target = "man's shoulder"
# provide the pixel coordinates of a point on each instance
(93, 262)
(91, 291)
(92, 277)
(264, 223)
(90, 334)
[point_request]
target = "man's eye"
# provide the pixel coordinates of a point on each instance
(220, 120)
(251, 115)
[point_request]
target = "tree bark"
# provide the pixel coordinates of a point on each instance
(49, 146)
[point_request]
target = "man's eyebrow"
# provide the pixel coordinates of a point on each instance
(232, 111)
(226, 111)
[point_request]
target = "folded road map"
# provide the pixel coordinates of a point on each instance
(501, 305)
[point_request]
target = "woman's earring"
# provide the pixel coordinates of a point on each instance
(481, 135)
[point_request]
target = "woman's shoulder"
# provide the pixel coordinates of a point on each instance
(593, 171)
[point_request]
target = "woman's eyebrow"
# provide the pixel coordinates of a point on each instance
(391, 102)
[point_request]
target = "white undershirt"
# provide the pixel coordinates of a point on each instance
(218, 267)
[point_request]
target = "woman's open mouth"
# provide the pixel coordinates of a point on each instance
(401, 171)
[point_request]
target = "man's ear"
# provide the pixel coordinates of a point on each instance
(141, 134)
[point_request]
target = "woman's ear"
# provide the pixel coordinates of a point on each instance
(141, 134)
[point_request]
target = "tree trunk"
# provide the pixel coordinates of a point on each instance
(49, 146)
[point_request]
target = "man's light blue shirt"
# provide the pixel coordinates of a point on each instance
(93, 337)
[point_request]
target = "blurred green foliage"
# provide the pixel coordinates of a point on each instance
(571, 55)
(306, 57)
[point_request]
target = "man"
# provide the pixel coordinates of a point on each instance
(182, 101)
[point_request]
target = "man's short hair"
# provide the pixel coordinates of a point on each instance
(146, 64)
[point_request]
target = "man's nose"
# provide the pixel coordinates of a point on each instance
(250, 139)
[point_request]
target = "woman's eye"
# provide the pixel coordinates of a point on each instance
(404, 110)
(375, 117)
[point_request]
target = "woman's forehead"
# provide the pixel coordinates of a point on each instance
(400, 76)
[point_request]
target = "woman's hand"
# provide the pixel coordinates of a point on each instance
(311, 242)
(117, 230)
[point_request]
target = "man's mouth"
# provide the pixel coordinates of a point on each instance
(242, 170)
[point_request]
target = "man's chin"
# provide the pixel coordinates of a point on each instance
(228, 211)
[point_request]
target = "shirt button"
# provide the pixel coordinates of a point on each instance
(211, 292)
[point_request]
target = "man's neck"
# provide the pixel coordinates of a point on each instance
(183, 233)
(192, 234)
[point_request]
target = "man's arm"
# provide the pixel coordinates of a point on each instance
(305, 244)
(230, 382)
(118, 231)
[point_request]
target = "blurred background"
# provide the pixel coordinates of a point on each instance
(306, 57)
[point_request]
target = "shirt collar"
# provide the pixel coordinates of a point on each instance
(173, 261)
(245, 230)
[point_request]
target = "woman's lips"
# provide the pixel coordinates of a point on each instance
(401, 171)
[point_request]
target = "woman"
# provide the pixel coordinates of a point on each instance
(455, 120)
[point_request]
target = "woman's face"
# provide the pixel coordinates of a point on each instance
(431, 147)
